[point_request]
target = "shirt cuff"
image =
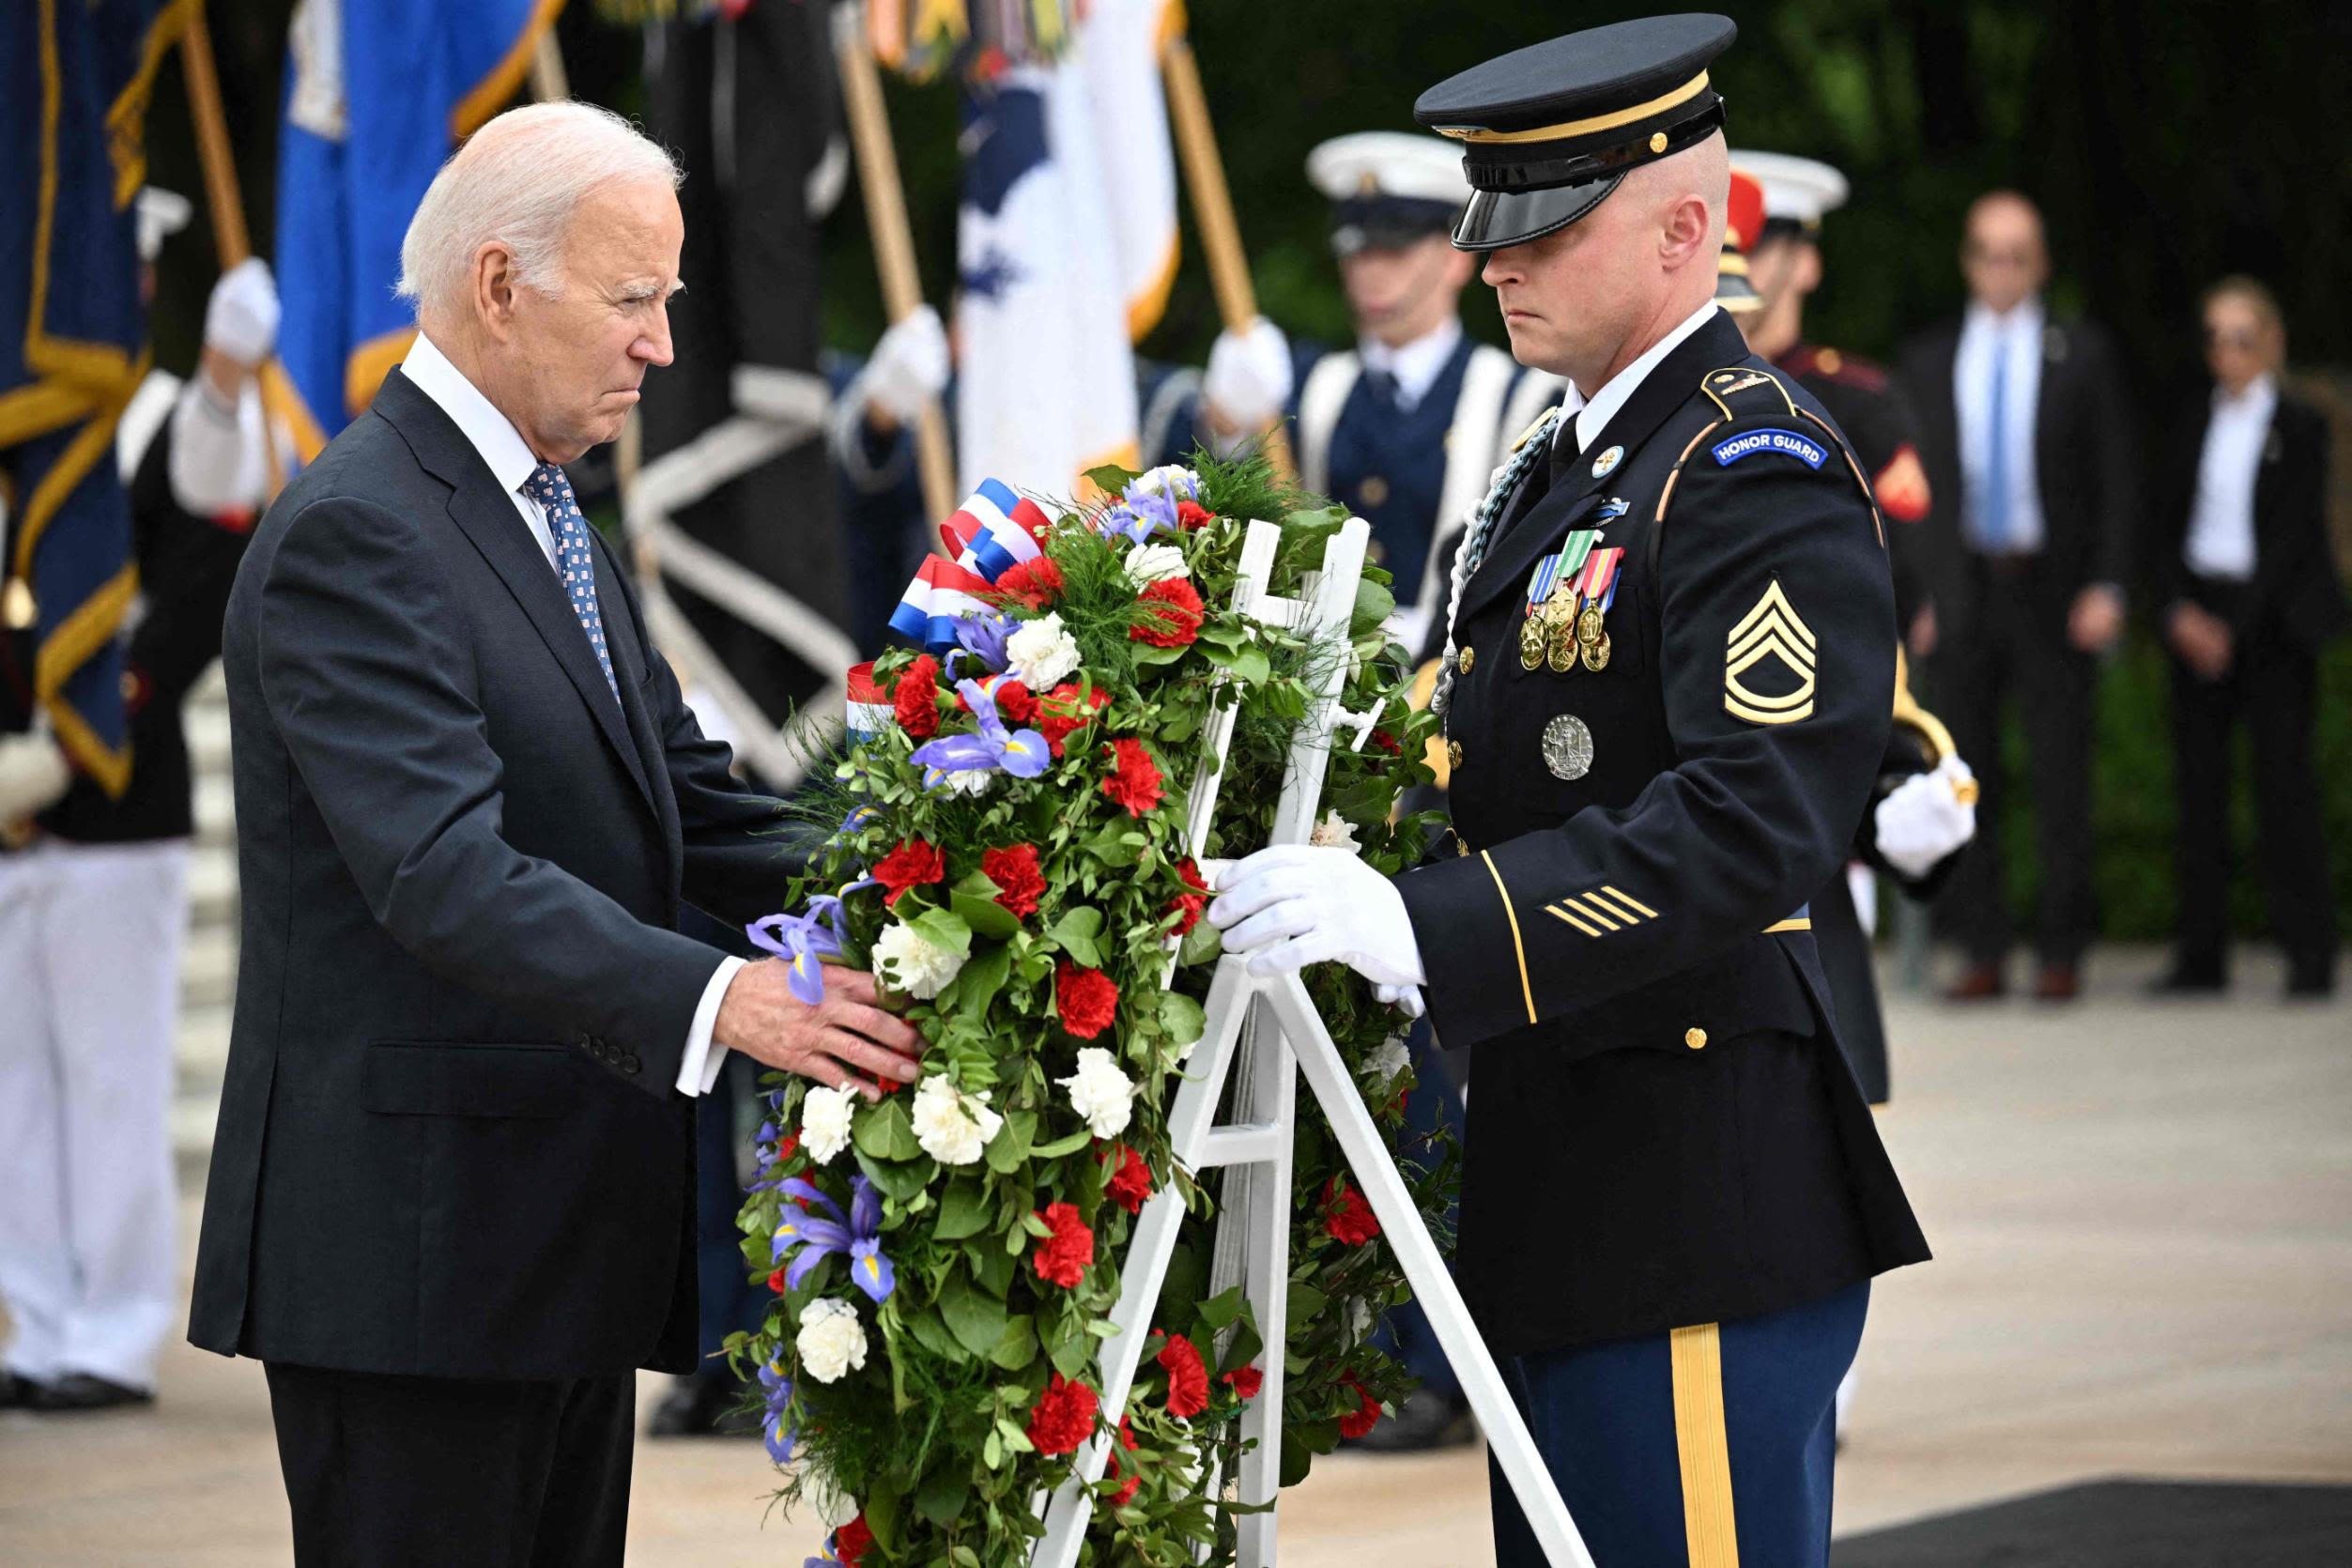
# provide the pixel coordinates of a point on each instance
(697, 1067)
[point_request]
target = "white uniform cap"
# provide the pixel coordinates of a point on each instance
(1389, 163)
(161, 215)
(1797, 188)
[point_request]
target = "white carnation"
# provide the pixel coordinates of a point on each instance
(1172, 480)
(953, 1127)
(832, 1341)
(1099, 1092)
(1336, 832)
(1150, 564)
(824, 1122)
(1390, 1060)
(1041, 654)
(920, 968)
(966, 781)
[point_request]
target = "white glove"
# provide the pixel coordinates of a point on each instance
(909, 366)
(242, 320)
(1249, 374)
(33, 774)
(1294, 904)
(1924, 818)
(1406, 999)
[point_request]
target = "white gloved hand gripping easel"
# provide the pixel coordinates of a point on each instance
(1253, 1223)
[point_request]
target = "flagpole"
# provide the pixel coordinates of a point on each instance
(894, 238)
(1212, 210)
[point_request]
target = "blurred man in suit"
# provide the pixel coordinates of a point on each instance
(452, 1199)
(2247, 596)
(2028, 450)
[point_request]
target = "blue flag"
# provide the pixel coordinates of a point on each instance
(379, 94)
(75, 77)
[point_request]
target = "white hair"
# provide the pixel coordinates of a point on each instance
(516, 182)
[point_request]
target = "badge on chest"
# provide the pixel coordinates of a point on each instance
(1568, 600)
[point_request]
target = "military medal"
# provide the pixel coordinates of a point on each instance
(1567, 746)
(1532, 642)
(1595, 590)
(1560, 649)
(1540, 628)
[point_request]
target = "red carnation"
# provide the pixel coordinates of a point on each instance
(914, 863)
(1088, 997)
(1364, 1417)
(1066, 1254)
(787, 1146)
(1014, 701)
(1063, 1415)
(1035, 583)
(1059, 711)
(1189, 905)
(1387, 742)
(775, 1282)
(915, 699)
(1246, 1381)
(1130, 1184)
(1019, 883)
(1126, 1492)
(1192, 515)
(1188, 1379)
(1171, 614)
(1346, 1216)
(1134, 780)
(852, 1541)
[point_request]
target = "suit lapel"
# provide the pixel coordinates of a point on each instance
(487, 516)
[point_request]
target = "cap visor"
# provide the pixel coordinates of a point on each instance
(1495, 218)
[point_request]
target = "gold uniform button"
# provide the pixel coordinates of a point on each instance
(1695, 1038)
(1470, 657)
(1374, 490)
(1454, 754)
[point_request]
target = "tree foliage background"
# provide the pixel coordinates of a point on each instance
(2167, 144)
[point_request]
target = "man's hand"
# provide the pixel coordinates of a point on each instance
(762, 1018)
(2096, 617)
(2202, 638)
(34, 775)
(1247, 379)
(1293, 904)
(1927, 817)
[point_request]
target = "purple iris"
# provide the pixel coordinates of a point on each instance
(810, 1238)
(1022, 753)
(1125, 521)
(827, 1560)
(851, 824)
(775, 1424)
(982, 640)
(803, 940)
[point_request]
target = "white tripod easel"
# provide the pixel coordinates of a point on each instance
(1254, 1224)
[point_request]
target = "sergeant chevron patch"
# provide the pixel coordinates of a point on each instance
(1772, 630)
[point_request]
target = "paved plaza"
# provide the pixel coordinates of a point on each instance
(2143, 1220)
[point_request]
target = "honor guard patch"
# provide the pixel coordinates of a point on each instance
(1789, 443)
(1771, 631)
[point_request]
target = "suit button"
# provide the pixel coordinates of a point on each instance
(1695, 1038)
(1454, 754)
(629, 1063)
(1470, 657)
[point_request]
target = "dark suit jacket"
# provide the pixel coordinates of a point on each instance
(2295, 590)
(449, 1140)
(2082, 468)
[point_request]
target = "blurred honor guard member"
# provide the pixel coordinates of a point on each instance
(1669, 675)
(92, 894)
(1404, 429)
(451, 1202)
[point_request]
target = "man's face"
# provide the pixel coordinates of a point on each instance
(1771, 266)
(1386, 281)
(2003, 258)
(584, 353)
(1569, 297)
(2239, 341)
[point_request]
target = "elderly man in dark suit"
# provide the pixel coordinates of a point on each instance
(2028, 450)
(2247, 596)
(452, 1204)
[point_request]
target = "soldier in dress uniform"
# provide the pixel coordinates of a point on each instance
(93, 900)
(1667, 690)
(1405, 428)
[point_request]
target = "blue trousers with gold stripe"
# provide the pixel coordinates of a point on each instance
(1709, 1446)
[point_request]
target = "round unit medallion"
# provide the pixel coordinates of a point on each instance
(1568, 748)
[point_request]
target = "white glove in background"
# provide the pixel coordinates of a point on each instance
(33, 774)
(909, 366)
(1294, 904)
(1924, 818)
(241, 320)
(1249, 374)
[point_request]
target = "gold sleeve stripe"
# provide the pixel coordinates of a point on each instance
(1519, 949)
(1630, 902)
(1600, 901)
(1558, 913)
(1591, 912)
(1710, 1532)
(1803, 922)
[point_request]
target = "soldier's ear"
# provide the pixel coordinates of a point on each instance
(1683, 233)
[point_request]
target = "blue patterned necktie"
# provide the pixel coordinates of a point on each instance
(1992, 511)
(552, 493)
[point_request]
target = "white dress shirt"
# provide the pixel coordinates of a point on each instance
(2221, 519)
(510, 462)
(1415, 366)
(2016, 341)
(1593, 416)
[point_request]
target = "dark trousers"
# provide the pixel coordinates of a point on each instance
(394, 1472)
(2273, 688)
(1702, 1446)
(2016, 645)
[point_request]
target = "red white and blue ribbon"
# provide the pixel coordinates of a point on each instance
(943, 592)
(995, 530)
